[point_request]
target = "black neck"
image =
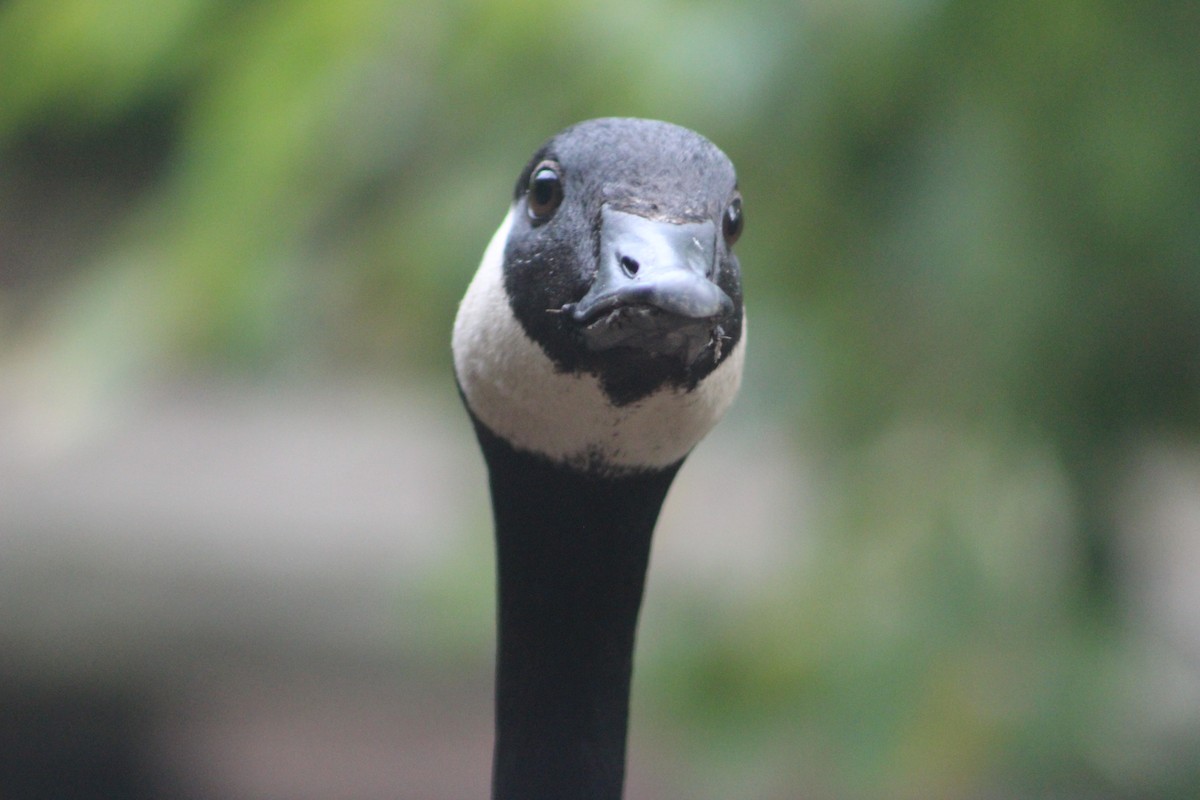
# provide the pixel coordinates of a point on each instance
(572, 550)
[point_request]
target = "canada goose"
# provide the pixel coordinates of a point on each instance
(599, 341)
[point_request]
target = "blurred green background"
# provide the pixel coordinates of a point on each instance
(947, 544)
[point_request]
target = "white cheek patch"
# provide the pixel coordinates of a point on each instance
(514, 389)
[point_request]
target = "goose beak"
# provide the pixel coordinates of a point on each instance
(654, 288)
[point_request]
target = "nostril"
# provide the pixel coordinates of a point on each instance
(630, 265)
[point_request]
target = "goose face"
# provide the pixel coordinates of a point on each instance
(604, 328)
(619, 262)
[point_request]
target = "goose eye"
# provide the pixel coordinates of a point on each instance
(732, 223)
(545, 191)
